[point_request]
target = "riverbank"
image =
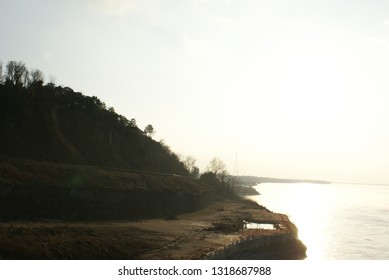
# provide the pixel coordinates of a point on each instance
(196, 235)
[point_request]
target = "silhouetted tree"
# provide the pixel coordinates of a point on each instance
(36, 77)
(149, 130)
(51, 82)
(16, 72)
(132, 122)
(1, 72)
(26, 81)
(216, 166)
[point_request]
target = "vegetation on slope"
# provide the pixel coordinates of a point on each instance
(54, 123)
(65, 156)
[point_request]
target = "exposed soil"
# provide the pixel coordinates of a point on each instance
(187, 236)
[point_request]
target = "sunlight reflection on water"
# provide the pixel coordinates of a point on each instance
(334, 221)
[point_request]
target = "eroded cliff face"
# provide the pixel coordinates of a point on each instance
(33, 190)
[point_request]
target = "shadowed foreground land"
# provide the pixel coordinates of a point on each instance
(66, 158)
(128, 215)
(187, 236)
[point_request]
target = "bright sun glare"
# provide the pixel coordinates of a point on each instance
(308, 214)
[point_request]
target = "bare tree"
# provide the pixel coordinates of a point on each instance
(26, 78)
(36, 77)
(216, 169)
(216, 166)
(15, 72)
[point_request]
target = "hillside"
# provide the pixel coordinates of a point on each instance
(66, 156)
(79, 181)
(57, 124)
(37, 190)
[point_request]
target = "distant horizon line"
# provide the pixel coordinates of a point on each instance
(353, 183)
(318, 180)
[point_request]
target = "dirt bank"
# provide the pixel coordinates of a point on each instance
(188, 236)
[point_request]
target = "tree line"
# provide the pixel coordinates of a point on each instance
(17, 74)
(16, 78)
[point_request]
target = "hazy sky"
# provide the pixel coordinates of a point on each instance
(298, 89)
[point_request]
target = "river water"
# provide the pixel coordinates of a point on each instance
(335, 221)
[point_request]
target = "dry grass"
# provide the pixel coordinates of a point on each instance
(75, 241)
(189, 236)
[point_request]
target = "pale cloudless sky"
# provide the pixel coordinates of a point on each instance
(296, 89)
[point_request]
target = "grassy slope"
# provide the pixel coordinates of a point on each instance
(33, 190)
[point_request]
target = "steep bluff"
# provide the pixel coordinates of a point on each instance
(34, 190)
